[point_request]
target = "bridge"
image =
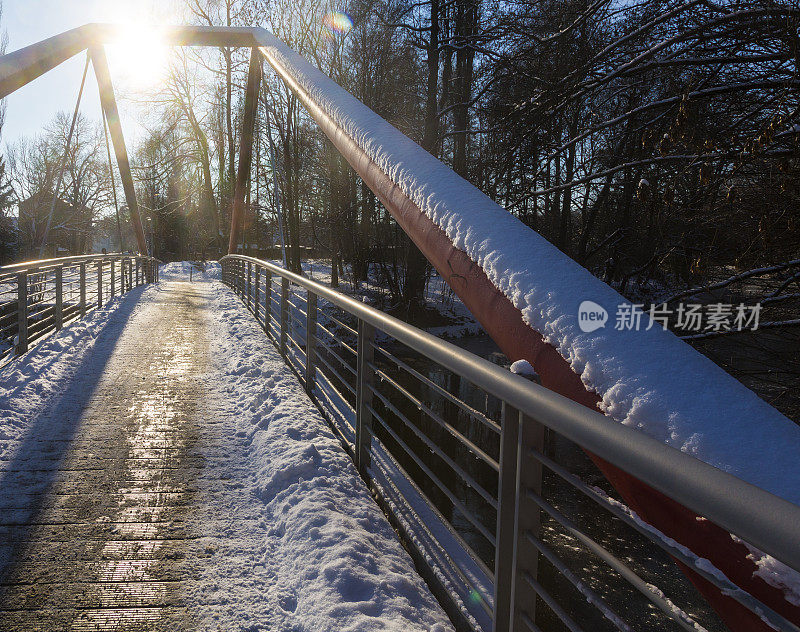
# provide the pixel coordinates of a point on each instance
(103, 493)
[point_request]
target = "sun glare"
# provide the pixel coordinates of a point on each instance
(139, 57)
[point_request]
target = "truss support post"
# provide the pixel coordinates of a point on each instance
(109, 104)
(245, 148)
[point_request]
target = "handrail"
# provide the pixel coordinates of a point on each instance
(758, 517)
(35, 264)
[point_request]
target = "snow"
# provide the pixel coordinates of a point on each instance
(335, 560)
(295, 542)
(523, 368)
(774, 572)
(649, 380)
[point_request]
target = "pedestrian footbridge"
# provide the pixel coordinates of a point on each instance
(522, 506)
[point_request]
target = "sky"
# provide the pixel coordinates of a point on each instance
(133, 66)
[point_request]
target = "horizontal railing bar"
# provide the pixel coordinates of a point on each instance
(341, 360)
(338, 375)
(339, 341)
(438, 419)
(36, 265)
(582, 587)
(677, 552)
(436, 449)
(484, 602)
(638, 583)
(552, 603)
(340, 323)
(476, 414)
(295, 343)
(435, 479)
(321, 391)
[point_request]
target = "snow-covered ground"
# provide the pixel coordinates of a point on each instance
(333, 560)
(289, 538)
(438, 297)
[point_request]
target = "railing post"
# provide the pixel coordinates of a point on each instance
(22, 312)
(248, 284)
(83, 288)
(137, 271)
(311, 339)
(528, 518)
(113, 279)
(284, 313)
(59, 314)
(515, 555)
(99, 284)
(364, 379)
(267, 301)
(505, 571)
(257, 297)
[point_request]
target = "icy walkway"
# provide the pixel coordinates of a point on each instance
(164, 470)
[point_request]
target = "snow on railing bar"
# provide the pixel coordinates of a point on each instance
(473, 478)
(38, 298)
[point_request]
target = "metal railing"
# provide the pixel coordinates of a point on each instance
(38, 298)
(474, 483)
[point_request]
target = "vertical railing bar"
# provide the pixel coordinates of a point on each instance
(284, 313)
(505, 562)
(99, 284)
(59, 314)
(249, 285)
(527, 519)
(267, 302)
(22, 312)
(364, 377)
(311, 340)
(257, 293)
(83, 289)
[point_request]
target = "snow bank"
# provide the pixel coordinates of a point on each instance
(180, 271)
(335, 562)
(646, 379)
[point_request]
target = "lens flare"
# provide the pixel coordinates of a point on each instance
(337, 23)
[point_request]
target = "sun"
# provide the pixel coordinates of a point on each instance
(138, 57)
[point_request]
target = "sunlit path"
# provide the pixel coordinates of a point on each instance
(96, 521)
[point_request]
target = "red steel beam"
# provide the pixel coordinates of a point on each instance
(109, 104)
(505, 323)
(245, 148)
(26, 64)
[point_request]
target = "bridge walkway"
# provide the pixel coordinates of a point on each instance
(94, 516)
